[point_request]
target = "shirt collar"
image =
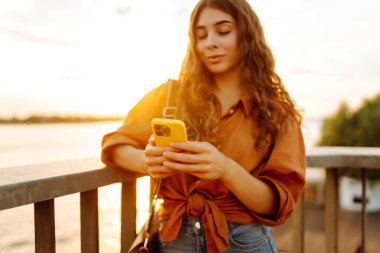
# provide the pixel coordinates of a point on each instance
(247, 101)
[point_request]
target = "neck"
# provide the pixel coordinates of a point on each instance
(229, 90)
(229, 83)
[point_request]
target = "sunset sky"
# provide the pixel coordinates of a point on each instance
(101, 57)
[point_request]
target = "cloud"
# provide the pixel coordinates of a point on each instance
(43, 40)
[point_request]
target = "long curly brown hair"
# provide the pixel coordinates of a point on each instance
(197, 104)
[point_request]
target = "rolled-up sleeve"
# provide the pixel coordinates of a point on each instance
(284, 172)
(135, 130)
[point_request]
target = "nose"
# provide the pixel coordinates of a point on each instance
(211, 41)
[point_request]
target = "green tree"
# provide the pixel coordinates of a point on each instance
(337, 126)
(367, 124)
(360, 128)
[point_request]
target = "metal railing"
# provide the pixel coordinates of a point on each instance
(41, 184)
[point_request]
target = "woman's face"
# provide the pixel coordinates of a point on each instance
(216, 41)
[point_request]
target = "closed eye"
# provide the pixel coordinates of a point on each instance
(200, 33)
(225, 33)
(201, 37)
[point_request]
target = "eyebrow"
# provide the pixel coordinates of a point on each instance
(216, 24)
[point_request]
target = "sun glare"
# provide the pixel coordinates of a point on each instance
(101, 57)
(98, 61)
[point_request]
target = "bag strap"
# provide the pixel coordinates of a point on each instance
(169, 113)
(169, 110)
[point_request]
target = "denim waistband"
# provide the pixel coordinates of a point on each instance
(196, 224)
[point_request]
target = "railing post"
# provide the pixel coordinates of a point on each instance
(128, 214)
(89, 221)
(331, 210)
(298, 226)
(44, 226)
(364, 210)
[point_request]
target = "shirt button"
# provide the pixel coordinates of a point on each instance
(197, 225)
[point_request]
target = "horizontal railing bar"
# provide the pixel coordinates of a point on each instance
(42, 183)
(35, 183)
(343, 157)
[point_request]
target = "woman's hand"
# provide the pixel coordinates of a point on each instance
(154, 160)
(200, 159)
(203, 160)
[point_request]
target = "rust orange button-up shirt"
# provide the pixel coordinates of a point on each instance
(185, 195)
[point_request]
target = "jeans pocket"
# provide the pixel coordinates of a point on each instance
(247, 236)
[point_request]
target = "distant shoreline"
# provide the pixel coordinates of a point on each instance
(35, 119)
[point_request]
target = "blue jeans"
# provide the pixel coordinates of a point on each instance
(251, 238)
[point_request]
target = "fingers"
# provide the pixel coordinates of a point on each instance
(186, 157)
(161, 175)
(151, 150)
(151, 140)
(160, 171)
(154, 160)
(191, 152)
(188, 168)
(191, 157)
(192, 146)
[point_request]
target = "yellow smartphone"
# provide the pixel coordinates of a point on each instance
(168, 130)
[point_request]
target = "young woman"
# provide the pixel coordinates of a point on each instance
(243, 168)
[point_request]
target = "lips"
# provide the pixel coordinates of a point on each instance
(215, 58)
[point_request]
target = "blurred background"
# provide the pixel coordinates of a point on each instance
(74, 68)
(100, 57)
